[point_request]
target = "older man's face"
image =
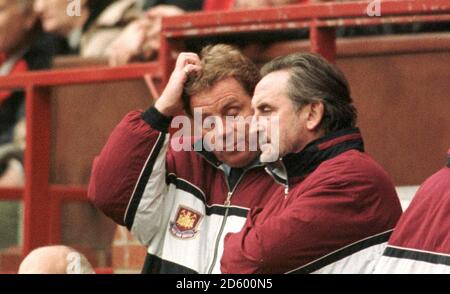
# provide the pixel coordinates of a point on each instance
(15, 23)
(271, 102)
(227, 98)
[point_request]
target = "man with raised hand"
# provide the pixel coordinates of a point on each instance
(181, 204)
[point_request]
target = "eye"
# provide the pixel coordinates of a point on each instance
(234, 111)
(265, 109)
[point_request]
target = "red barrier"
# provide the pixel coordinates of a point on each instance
(320, 18)
(42, 221)
(42, 201)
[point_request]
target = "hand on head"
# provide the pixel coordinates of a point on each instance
(170, 103)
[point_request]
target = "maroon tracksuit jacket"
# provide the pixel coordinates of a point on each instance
(330, 208)
(421, 240)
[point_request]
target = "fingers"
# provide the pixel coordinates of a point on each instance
(186, 58)
(192, 68)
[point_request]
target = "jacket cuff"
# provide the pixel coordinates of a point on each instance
(156, 119)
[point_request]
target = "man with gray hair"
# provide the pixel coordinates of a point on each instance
(339, 206)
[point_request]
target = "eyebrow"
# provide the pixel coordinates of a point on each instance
(229, 103)
(225, 100)
(205, 115)
(259, 102)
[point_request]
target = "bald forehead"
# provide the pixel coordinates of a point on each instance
(276, 80)
(272, 85)
(46, 260)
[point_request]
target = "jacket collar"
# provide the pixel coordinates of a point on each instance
(212, 159)
(299, 165)
(206, 154)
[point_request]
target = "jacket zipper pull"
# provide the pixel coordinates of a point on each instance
(286, 191)
(228, 200)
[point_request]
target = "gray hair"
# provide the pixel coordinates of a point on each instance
(313, 79)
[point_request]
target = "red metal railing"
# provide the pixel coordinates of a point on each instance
(42, 201)
(320, 18)
(41, 212)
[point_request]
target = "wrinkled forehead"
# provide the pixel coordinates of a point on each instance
(223, 94)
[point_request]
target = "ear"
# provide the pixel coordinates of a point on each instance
(315, 115)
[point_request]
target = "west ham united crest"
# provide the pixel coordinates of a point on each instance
(186, 223)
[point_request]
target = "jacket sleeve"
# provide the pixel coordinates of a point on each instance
(321, 220)
(128, 179)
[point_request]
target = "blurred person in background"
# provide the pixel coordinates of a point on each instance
(91, 28)
(23, 47)
(86, 27)
(140, 40)
(57, 260)
(79, 26)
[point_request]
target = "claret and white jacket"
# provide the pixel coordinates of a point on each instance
(420, 243)
(328, 209)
